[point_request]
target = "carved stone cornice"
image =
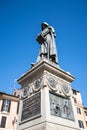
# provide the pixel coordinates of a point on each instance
(39, 68)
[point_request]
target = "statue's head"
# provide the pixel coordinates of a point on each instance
(44, 25)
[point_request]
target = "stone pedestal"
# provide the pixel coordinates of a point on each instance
(46, 99)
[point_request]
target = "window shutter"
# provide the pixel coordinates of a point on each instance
(2, 105)
(9, 106)
(3, 122)
(17, 107)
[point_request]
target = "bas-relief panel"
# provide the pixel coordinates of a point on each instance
(61, 107)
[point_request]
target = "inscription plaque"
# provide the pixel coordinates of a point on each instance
(31, 107)
(61, 107)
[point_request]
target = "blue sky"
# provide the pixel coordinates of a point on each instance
(20, 22)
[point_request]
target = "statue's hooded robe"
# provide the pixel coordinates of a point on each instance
(48, 47)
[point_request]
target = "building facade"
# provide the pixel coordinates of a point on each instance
(85, 113)
(81, 111)
(8, 111)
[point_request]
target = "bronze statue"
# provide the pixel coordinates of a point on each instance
(47, 43)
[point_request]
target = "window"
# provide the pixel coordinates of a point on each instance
(85, 113)
(6, 105)
(80, 124)
(75, 101)
(86, 123)
(3, 122)
(74, 92)
(78, 110)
